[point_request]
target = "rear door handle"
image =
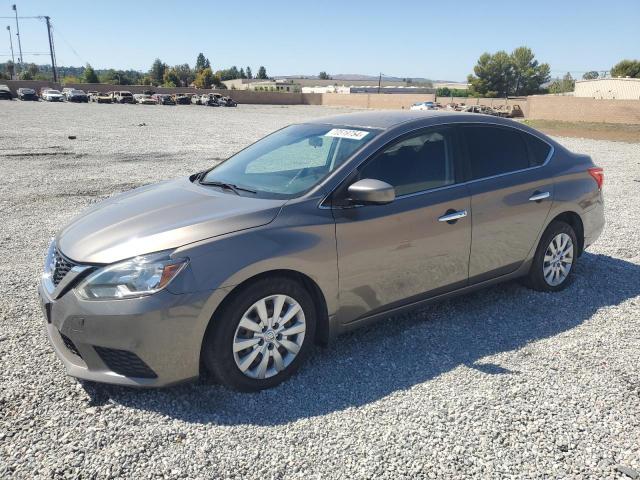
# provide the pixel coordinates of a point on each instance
(539, 196)
(452, 216)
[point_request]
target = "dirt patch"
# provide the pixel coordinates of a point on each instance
(596, 131)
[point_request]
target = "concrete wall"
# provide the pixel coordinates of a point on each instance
(373, 100)
(575, 109)
(14, 85)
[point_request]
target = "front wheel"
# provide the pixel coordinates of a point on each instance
(262, 335)
(555, 258)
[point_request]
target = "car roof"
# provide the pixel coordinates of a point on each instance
(386, 119)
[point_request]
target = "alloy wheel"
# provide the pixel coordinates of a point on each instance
(558, 259)
(269, 336)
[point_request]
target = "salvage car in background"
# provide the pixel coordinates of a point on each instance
(5, 93)
(182, 99)
(27, 94)
(226, 101)
(195, 99)
(75, 95)
(122, 96)
(509, 111)
(209, 99)
(315, 229)
(144, 99)
(163, 99)
(102, 97)
(51, 95)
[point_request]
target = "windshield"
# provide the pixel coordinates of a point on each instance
(290, 161)
(53, 92)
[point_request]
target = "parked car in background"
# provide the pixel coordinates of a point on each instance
(181, 99)
(312, 231)
(478, 109)
(227, 102)
(5, 93)
(27, 94)
(163, 99)
(102, 97)
(144, 99)
(424, 106)
(209, 99)
(195, 99)
(509, 111)
(122, 96)
(75, 95)
(52, 95)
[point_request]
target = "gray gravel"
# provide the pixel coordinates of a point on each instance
(504, 383)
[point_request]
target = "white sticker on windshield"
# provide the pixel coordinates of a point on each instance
(347, 133)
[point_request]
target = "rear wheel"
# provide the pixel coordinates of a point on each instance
(555, 258)
(262, 335)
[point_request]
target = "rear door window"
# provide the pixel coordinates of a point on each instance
(495, 150)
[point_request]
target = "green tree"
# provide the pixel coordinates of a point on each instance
(89, 75)
(565, 85)
(503, 74)
(262, 73)
(157, 71)
(528, 74)
(626, 68)
(201, 63)
(592, 75)
(70, 79)
(10, 69)
(204, 78)
(185, 74)
(29, 72)
(493, 75)
(242, 74)
(170, 78)
(249, 73)
(324, 76)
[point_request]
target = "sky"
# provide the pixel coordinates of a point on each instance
(422, 38)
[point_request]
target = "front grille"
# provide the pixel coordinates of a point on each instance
(61, 266)
(125, 363)
(70, 345)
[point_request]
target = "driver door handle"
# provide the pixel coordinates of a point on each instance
(452, 216)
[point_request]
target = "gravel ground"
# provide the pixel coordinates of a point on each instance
(503, 383)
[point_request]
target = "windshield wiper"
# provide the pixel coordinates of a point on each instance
(228, 186)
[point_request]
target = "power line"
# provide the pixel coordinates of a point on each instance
(57, 30)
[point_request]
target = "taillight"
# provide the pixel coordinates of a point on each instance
(598, 175)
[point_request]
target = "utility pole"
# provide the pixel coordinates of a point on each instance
(18, 35)
(13, 60)
(379, 81)
(53, 58)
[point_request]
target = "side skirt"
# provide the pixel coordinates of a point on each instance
(337, 329)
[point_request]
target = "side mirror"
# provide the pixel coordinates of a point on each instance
(371, 192)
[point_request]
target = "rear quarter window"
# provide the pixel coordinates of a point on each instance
(538, 149)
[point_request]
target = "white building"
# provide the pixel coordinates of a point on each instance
(609, 88)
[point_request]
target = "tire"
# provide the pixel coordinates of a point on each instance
(280, 363)
(541, 276)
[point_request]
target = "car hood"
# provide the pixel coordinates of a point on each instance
(160, 217)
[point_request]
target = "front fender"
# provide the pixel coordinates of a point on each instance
(300, 239)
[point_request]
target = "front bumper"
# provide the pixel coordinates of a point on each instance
(150, 341)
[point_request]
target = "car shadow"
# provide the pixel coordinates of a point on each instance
(401, 352)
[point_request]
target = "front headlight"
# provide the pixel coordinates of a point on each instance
(143, 275)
